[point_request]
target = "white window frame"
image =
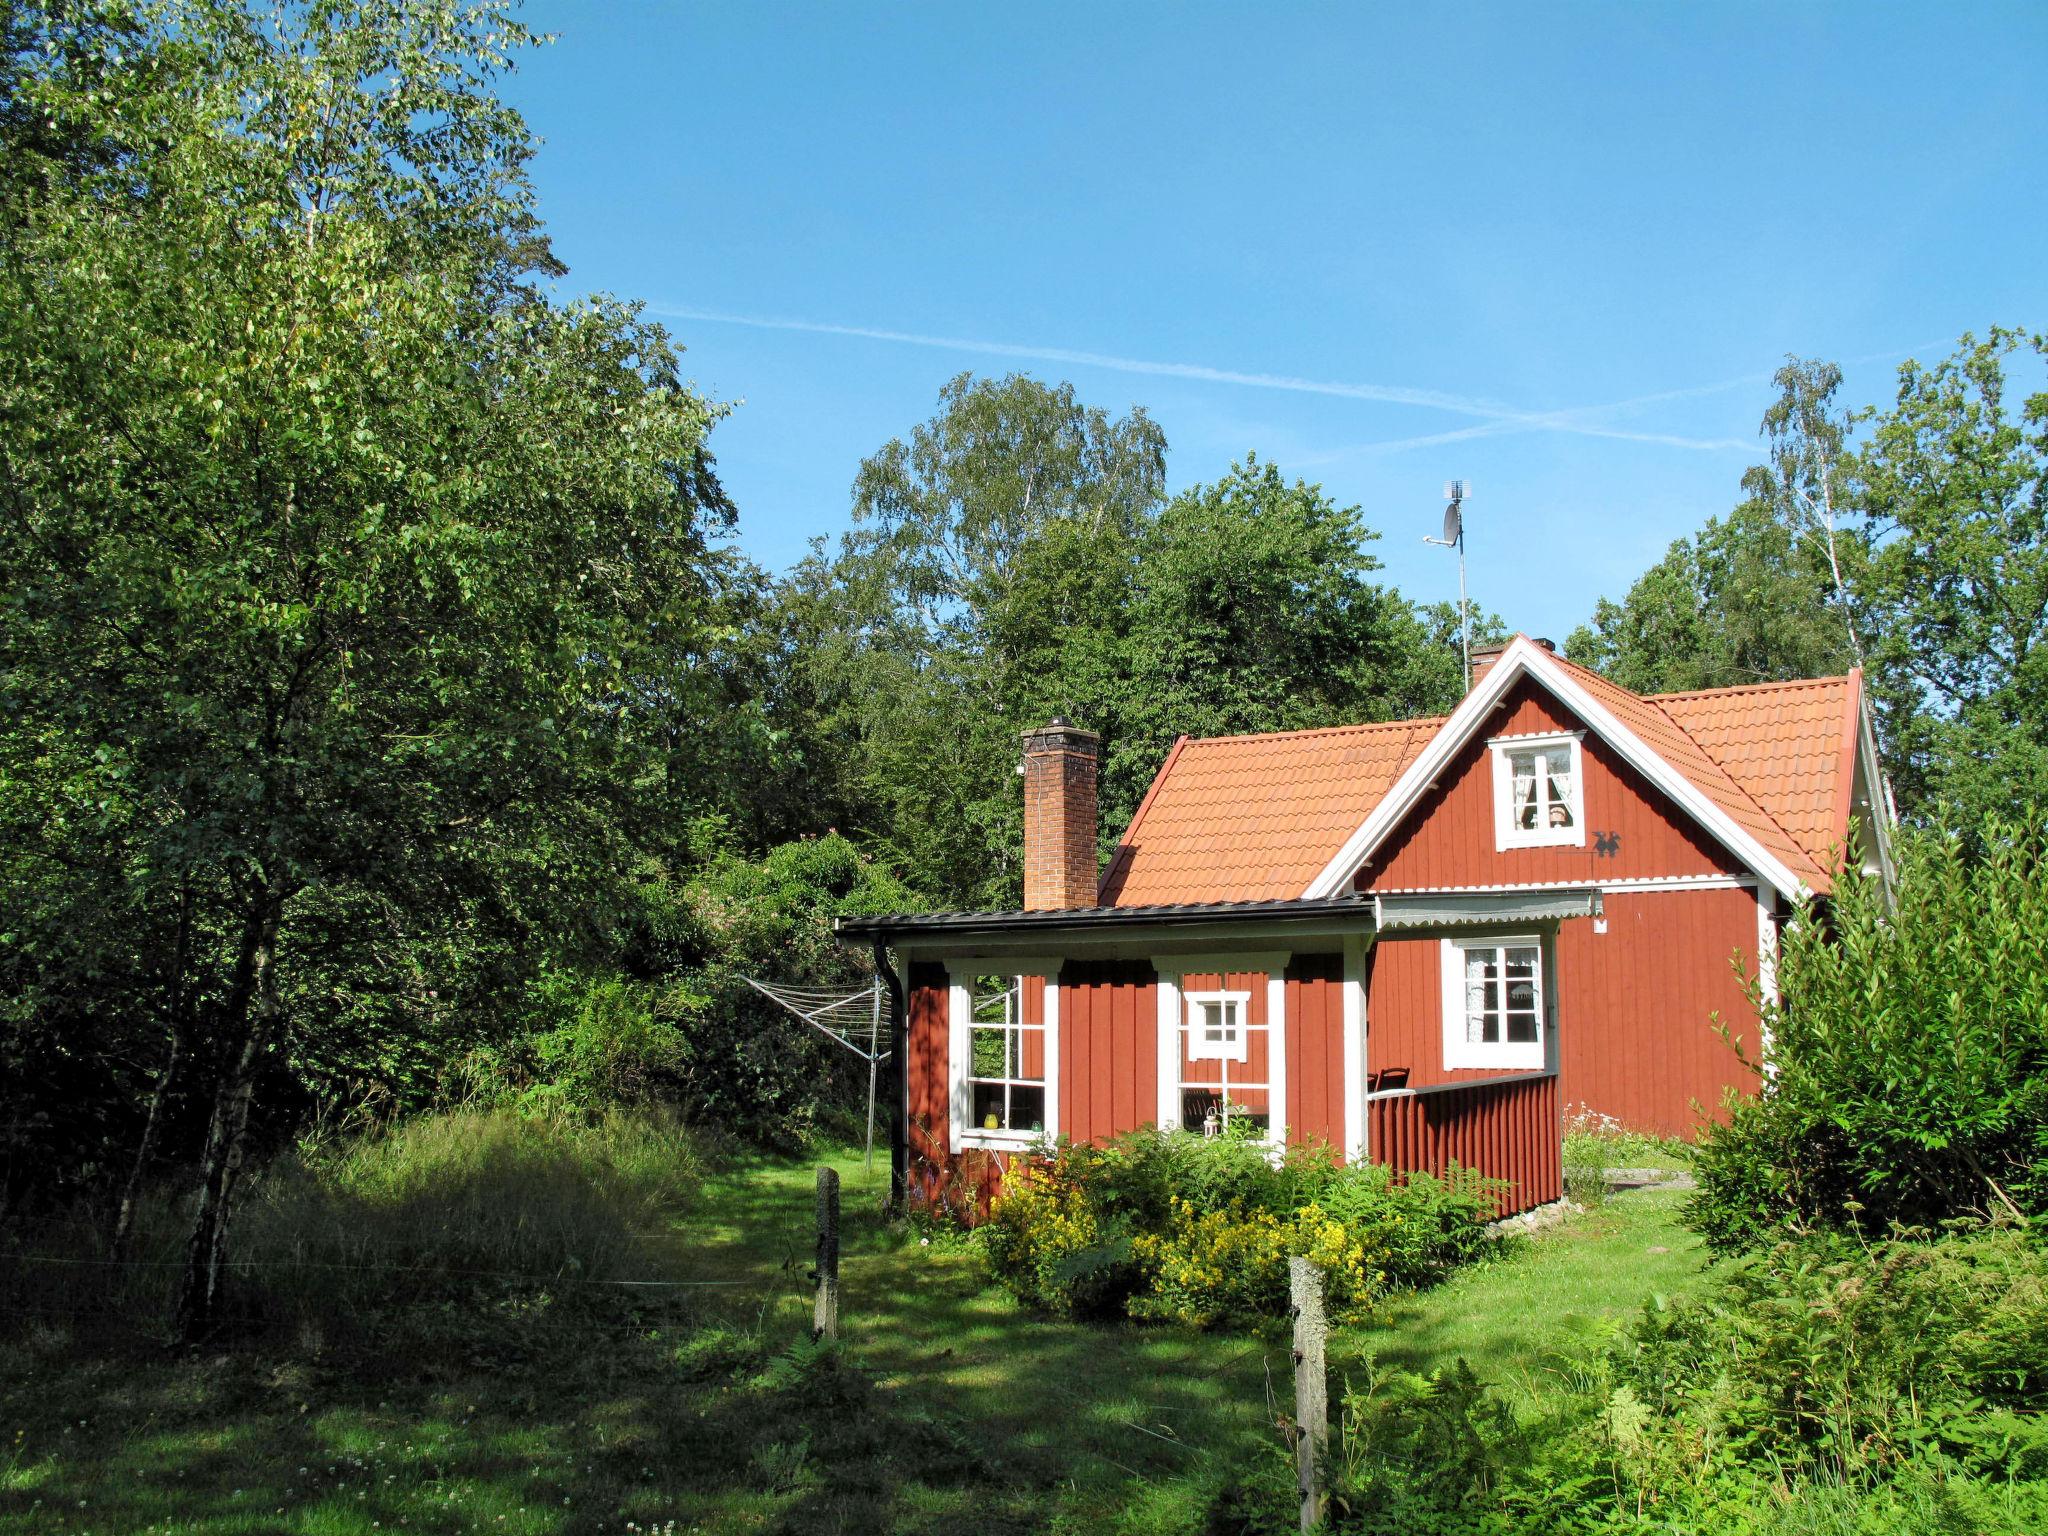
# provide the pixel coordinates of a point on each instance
(962, 1132)
(1462, 1054)
(1236, 1042)
(1173, 1010)
(1506, 834)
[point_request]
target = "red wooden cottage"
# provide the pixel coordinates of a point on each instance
(1418, 942)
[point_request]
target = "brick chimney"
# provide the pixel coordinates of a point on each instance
(1484, 656)
(1059, 816)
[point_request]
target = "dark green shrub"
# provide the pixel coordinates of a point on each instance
(678, 1024)
(1909, 1057)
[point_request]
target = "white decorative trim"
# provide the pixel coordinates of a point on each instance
(1870, 768)
(1638, 886)
(1506, 834)
(1276, 1054)
(1766, 974)
(1525, 657)
(1460, 1054)
(1356, 1149)
(1168, 1069)
(961, 1133)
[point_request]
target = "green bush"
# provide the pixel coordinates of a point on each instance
(1827, 1388)
(1170, 1225)
(1909, 1056)
(1838, 1355)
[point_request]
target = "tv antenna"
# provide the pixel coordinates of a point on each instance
(1454, 538)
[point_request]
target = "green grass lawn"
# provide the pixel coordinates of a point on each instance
(704, 1407)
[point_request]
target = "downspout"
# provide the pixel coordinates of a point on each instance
(899, 1094)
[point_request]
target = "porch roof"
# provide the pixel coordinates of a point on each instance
(1353, 913)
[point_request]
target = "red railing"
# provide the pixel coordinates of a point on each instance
(1503, 1127)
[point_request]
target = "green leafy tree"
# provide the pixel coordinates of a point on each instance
(1958, 483)
(337, 557)
(985, 548)
(1015, 560)
(1253, 608)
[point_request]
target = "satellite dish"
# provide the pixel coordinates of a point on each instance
(1454, 526)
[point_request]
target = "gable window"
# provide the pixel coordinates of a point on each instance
(1538, 792)
(1495, 1006)
(1005, 1057)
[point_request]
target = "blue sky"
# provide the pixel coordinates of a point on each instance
(1556, 251)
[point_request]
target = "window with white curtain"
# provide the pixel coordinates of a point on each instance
(1538, 792)
(1495, 1007)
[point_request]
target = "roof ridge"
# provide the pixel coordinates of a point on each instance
(1773, 685)
(1320, 730)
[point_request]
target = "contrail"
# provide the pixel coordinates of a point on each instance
(1500, 417)
(1496, 417)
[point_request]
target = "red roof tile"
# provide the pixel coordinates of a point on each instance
(1248, 818)
(1791, 745)
(1252, 818)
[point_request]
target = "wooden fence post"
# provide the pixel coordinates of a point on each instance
(1311, 1387)
(825, 1318)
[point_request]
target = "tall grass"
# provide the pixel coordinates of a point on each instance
(346, 1229)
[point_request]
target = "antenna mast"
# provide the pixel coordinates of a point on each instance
(1454, 538)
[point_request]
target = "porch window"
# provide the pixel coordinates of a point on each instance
(1495, 1005)
(1004, 1060)
(1538, 792)
(1225, 1064)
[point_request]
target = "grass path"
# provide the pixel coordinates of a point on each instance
(950, 1410)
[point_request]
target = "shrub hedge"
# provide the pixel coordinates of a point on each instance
(1193, 1229)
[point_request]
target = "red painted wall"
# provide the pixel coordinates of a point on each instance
(1109, 1073)
(1404, 1040)
(1315, 1050)
(1447, 839)
(1109, 1048)
(1636, 1006)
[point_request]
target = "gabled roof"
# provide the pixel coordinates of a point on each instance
(1769, 769)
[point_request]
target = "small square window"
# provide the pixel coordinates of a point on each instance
(1216, 1026)
(1538, 792)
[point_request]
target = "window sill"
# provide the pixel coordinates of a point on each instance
(1527, 1059)
(1571, 837)
(1003, 1141)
